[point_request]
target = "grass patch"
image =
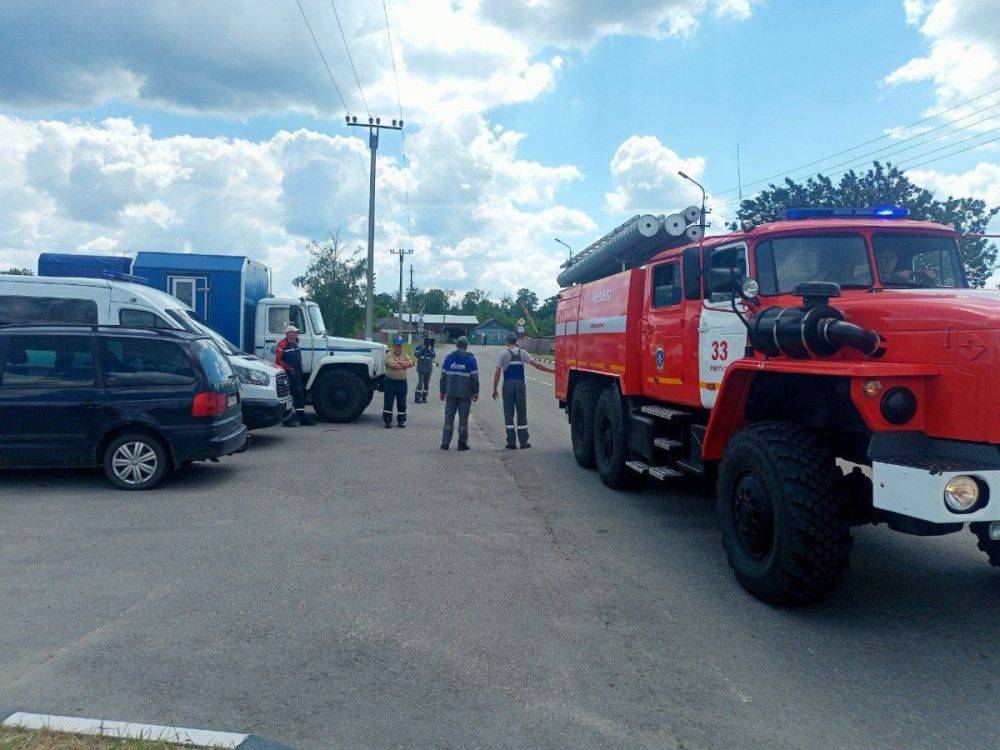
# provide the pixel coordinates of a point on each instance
(27, 739)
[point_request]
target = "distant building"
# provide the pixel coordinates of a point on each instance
(444, 328)
(491, 331)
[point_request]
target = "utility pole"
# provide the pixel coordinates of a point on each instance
(374, 124)
(402, 256)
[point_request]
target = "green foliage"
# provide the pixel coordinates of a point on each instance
(526, 298)
(335, 280)
(17, 272)
(437, 301)
(883, 185)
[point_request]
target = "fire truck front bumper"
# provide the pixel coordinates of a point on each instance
(943, 483)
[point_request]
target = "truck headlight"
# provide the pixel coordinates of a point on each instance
(963, 494)
(251, 377)
(899, 405)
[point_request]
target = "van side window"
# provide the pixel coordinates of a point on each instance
(40, 310)
(48, 362)
(129, 361)
(133, 318)
(666, 285)
(278, 319)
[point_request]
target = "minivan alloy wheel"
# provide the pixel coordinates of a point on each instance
(134, 462)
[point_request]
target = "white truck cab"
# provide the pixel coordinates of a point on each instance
(90, 301)
(341, 374)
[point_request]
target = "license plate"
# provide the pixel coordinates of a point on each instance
(231, 401)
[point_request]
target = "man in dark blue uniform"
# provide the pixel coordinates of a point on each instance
(425, 354)
(459, 388)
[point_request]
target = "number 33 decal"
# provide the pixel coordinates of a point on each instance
(720, 350)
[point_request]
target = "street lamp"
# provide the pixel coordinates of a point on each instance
(564, 245)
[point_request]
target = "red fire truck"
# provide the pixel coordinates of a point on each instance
(829, 370)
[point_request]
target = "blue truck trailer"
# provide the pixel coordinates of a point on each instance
(223, 289)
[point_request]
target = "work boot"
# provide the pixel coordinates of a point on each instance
(305, 420)
(400, 420)
(511, 447)
(444, 446)
(292, 421)
(463, 446)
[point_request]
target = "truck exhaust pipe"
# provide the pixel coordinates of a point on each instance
(813, 330)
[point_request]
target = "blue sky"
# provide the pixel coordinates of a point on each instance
(162, 128)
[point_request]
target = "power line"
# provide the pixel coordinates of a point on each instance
(402, 134)
(322, 57)
(865, 159)
(888, 134)
(343, 36)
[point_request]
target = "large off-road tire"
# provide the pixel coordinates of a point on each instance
(339, 396)
(611, 443)
(989, 546)
(785, 524)
(135, 461)
(581, 421)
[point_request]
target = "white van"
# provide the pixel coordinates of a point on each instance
(46, 300)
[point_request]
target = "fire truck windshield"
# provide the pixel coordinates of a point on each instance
(917, 261)
(786, 261)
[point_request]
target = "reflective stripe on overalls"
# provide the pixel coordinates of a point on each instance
(515, 401)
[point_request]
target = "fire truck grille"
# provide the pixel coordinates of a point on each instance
(281, 381)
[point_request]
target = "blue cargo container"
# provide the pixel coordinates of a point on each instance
(223, 289)
(83, 266)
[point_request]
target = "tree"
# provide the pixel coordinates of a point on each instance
(883, 184)
(17, 272)
(334, 280)
(437, 301)
(526, 298)
(472, 300)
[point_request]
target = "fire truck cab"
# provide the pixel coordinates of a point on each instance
(828, 370)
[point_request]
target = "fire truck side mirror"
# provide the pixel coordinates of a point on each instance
(725, 280)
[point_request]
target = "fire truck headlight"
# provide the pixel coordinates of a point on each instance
(962, 494)
(899, 405)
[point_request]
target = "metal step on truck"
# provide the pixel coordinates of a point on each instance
(829, 370)
(232, 295)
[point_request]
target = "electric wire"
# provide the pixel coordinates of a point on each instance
(347, 49)
(885, 135)
(893, 149)
(323, 57)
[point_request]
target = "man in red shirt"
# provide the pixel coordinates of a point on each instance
(288, 357)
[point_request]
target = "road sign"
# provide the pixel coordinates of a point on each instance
(520, 329)
(520, 322)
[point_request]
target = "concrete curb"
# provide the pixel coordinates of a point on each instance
(132, 730)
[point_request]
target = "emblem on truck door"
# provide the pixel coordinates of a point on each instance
(659, 358)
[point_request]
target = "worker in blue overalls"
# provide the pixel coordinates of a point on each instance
(511, 363)
(425, 355)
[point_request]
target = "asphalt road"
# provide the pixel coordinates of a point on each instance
(351, 586)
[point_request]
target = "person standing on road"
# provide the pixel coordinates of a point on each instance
(396, 365)
(425, 355)
(288, 357)
(511, 363)
(459, 388)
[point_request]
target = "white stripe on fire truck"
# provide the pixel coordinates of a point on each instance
(613, 324)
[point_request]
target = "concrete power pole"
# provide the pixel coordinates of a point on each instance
(374, 124)
(402, 256)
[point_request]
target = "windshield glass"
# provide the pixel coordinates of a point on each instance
(189, 323)
(917, 261)
(316, 318)
(786, 261)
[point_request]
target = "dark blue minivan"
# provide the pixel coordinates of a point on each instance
(138, 402)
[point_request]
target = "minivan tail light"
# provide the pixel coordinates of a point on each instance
(208, 405)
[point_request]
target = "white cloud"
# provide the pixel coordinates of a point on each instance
(115, 187)
(241, 59)
(647, 181)
(963, 60)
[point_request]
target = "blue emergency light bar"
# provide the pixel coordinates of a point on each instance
(875, 212)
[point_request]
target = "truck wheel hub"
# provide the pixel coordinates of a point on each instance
(753, 516)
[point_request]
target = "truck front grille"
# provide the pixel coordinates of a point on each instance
(281, 381)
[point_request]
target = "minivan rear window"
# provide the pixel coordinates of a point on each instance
(213, 362)
(22, 310)
(127, 361)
